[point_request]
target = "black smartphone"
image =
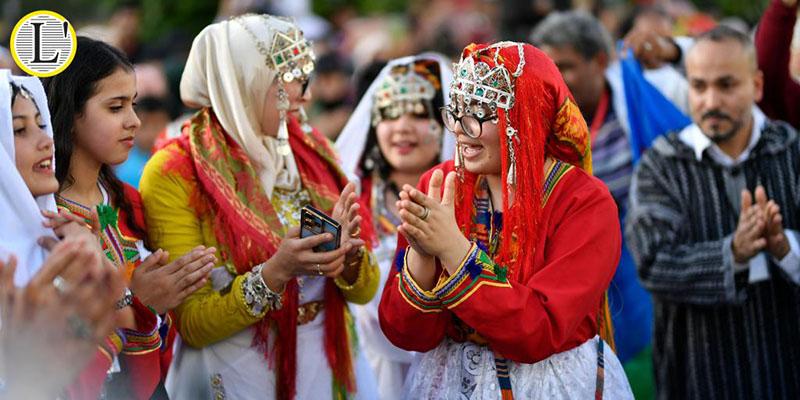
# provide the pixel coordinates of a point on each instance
(315, 222)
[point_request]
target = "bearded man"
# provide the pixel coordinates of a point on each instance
(713, 226)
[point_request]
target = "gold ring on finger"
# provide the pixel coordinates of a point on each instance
(319, 269)
(355, 234)
(425, 213)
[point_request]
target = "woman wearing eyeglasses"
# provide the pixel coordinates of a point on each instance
(506, 253)
(272, 322)
(394, 135)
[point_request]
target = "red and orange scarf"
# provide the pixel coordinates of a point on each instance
(249, 232)
(548, 122)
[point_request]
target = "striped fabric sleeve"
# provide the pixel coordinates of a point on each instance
(790, 263)
(423, 300)
(164, 330)
(476, 270)
(146, 338)
(138, 343)
(693, 273)
(112, 345)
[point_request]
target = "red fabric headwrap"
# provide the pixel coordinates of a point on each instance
(548, 122)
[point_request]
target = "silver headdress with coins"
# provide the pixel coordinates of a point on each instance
(402, 91)
(478, 87)
(352, 141)
(292, 58)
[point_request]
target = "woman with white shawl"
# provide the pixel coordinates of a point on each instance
(51, 302)
(272, 322)
(394, 135)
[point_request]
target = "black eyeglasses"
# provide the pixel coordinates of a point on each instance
(470, 124)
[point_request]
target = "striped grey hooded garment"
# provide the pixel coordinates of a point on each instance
(717, 334)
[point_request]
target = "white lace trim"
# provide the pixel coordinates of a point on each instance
(467, 371)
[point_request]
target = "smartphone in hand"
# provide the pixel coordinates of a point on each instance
(315, 222)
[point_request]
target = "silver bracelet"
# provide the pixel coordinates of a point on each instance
(126, 300)
(257, 295)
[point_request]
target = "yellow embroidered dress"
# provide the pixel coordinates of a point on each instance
(201, 190)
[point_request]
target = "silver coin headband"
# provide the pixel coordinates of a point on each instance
(402, 91)
(292, 57)
(478, 86)
(290, 54)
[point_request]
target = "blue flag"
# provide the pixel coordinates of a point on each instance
(650, 114)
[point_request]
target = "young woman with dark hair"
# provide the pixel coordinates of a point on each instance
(57, 300)
(92, 105)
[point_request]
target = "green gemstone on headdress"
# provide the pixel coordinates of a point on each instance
(402, 90)
(463, 72)
(279, 59)
(479, 92)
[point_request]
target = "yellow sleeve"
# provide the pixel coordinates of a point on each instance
(366, 284)
(206, 316)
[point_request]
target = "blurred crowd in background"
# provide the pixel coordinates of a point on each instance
(353, 39)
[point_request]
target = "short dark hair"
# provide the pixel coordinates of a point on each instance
(724, 33)
(576, 29)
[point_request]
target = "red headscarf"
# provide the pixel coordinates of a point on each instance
(547, 122)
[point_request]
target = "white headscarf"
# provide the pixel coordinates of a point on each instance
(226, 72)
(353, 138)
(20, 212)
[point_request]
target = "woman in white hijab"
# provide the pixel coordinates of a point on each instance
(22, 215)
(394, 135)
(272, 321)
(52, 303)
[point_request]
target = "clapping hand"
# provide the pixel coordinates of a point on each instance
(164, 285)
(345, 211)
(760, 227)
(68, 225)
(65, 223)
(51, 326)
(429, 222)
(156, 282)
(777, 244)
(296, 255)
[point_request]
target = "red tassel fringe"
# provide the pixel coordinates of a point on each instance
(532, 116)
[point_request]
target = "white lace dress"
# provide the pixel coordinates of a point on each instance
(467, 371)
